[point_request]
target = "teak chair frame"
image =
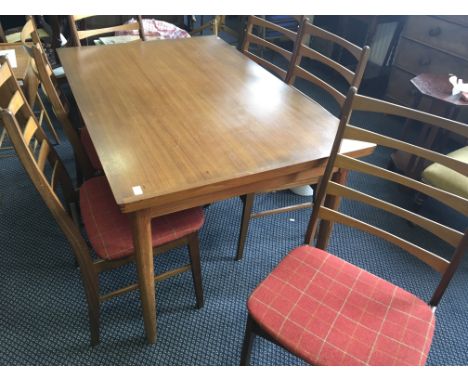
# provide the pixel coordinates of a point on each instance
(29, 35)
(251, 38)
(323, 218)
(61, 110)
(307, 32)
(13, 108)
(79, 35)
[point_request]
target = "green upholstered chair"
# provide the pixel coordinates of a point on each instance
(442, 177)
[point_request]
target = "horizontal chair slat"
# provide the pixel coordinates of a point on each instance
(267, 44)
(278, 28)
(314, 55)
(259, 60)
(16, 102)
(436, 262)
(322, 33)
(5, 74)
(353, 132)
(93, 32)
(43, 154)
(447, 234)
(29, 130)
(300, 72)
(364, 103)
(454, 201)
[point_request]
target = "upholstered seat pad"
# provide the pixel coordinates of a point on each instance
(330, 312)
(446, 178)
(89, 149)
(109, 230)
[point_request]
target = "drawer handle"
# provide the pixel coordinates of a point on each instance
(425, 61)
(435, 31)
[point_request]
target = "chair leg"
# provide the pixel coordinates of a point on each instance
(248, 341)
(194, 252)
(91, 286)
(247, 200)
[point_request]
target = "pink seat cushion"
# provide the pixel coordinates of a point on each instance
(330, 312)
(109, 230)
(158, 30)
(89, 149)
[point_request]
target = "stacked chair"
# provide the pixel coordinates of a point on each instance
(329, 312)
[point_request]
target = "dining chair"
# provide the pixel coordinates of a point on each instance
(108, 230)
(78, 35)
(86, 159)
(307, 34)
(328, 311)
(215, 25)
(266, 43)
(31, 83)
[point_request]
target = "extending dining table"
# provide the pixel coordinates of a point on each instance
(187, 122)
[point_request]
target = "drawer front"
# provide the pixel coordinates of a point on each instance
(417, 58)
(438, 33)
(399, 88)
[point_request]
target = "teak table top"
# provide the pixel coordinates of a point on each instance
(178, 116)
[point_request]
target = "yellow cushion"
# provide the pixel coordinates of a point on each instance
(447, 179)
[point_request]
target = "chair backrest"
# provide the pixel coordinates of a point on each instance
(60, 107)
(29, 32)
(307, 33)
(256, 35)
(43, 165)
(81, 34)
(327, 188)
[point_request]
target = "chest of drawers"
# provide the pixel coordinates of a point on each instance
(428, 44)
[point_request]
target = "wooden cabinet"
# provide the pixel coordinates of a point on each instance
(433, 44)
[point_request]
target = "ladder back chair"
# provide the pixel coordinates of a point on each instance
(86, 159)
(29, 36)
(216, 25)
(327, 311)
(307, 32)
(78, 35)
(256, 44)
(108, 230)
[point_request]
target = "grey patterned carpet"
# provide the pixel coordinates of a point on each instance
(43, 314)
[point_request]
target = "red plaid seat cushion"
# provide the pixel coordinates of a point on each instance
(89, 149)
(330, 312)
(109, 230)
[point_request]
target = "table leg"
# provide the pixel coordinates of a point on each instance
(141, 226)
(332, 202)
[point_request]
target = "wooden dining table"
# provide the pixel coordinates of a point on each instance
(187, 122)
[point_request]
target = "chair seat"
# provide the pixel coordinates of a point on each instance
(330, 312)
(446, 178)
(109, 230)
(90, 150)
